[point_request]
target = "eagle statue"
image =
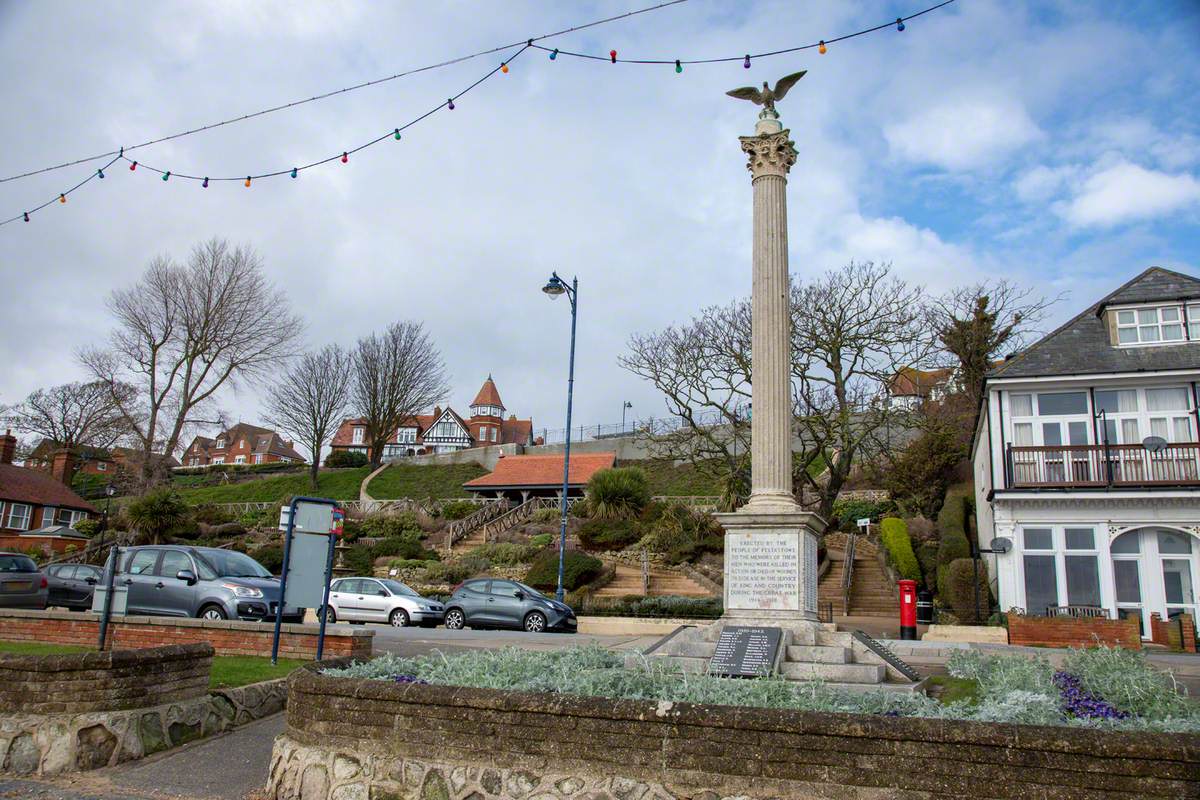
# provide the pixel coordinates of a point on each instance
(767, 97)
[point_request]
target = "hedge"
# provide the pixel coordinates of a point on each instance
(578, 569)
(953, 527)
(894, 534)
(960, 590)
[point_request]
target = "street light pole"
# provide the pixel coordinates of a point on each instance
(555, 287)
(624, 406)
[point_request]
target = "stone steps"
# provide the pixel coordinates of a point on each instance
(628, 580)
(819, 654)
(838, 673)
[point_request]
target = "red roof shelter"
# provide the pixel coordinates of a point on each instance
(540, 475)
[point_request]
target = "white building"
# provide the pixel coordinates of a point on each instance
(1086, 458)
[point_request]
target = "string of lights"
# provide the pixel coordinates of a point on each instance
(397, 132)
(344, 90)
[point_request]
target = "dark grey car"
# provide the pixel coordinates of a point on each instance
(22, 585)
(72, 585)
(496, 603)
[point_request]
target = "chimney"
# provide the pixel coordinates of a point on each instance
(8, 447)
(437, 411)
(63, 468)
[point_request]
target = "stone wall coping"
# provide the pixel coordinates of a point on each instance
(108, 659)
(1127, 744)
(181, 622)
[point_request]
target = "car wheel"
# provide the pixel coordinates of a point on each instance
(398, 618)
(535, 622)
(455, 620)
(211, 612)
(330, 615)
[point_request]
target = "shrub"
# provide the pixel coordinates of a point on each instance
(616, 493)
(609, 534)
(270, 556)
(894, 534)
(400, 546)
(211, 514)
(87, 526)
(506, 554)
(953, 526)
(389, 526)
(541, 540)
(544, 516)
(921, 529)
(158, 514)
(458, 509)
(456, 573)
(663, 606)
(919, 477)
(927, 553)
(960, 590)
(409, 563)
(578, 569)
(847, 512)
(345, 458)
(360, 560)
(682, 535)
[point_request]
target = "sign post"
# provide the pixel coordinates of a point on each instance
(307, 561)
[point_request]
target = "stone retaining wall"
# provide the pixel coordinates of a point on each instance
(358, 738)
(52, 744)
(109, 681)
(228, 638)
(1073, 631)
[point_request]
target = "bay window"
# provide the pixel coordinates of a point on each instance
(1061, 568)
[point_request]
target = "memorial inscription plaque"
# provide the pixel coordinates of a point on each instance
(762, 571)
(746, 651)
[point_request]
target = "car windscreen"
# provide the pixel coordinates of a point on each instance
(530, 591)
(396, 587)
(17, 564)
(232, 564)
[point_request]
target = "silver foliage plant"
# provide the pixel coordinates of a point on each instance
(1013, 689)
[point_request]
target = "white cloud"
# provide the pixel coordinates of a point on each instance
(963, 135)
(1126, 192)
(1041, 183)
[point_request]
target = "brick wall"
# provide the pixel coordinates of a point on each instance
(109, 681)
(1177, 634)
(684, 750)
(1073, 631)
(227, 638)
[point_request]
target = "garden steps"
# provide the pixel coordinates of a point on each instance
(871, 594)
(628, 581)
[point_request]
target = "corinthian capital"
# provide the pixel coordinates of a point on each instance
(769, 153)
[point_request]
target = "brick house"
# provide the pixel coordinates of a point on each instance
(31, 499)
(241, 444)
(1087, 461)
(94, 460)
(443, 431)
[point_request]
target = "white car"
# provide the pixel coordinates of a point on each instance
(380, 600)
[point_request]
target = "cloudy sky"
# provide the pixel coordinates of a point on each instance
(1057, 144)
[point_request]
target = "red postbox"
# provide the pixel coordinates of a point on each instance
(908, 609)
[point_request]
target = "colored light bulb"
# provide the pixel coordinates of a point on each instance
(613, 55)
(247, 181)
(166, 174)
(345, 157)
(27, 216)
(100, 174)
(678, 67)
(450, 104)
(133, 166)
(504, 68)
(899, 24)
(295, 172)
(554, 55)
(397, 134)
(204, 185)
(821, 47)
(62, 198)
(746, 63)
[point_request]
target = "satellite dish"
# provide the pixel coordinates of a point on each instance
(1154, 444)
(1001, 544)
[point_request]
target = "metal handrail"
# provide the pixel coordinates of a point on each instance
(884, 652)
(848, 572)
(461, 528)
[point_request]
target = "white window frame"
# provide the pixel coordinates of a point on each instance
(258, 458)
(240, 459)
(357, 435)
(49, 516)
(101, 466)
(1058, 549)
(219, 460)
(1133, 318)
(220, 443)
(10, 516)
(495, 437)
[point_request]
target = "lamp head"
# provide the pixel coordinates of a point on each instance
(110, 490)
(554, 287)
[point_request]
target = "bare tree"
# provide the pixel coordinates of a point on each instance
(980, 323)
(310, 398)
(852, 329)
(73, 415)
(183, 332)
(397, 375)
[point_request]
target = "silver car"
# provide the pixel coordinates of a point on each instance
(22, 585)
(380, 600)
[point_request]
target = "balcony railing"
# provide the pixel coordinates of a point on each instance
(1102, 465)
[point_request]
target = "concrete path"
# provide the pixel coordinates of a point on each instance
(362, 487)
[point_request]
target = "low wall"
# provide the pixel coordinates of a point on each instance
(1073, 631)
(109, 681)
(1177, 634)
(350, 738)
(227, 638)
(986, 634)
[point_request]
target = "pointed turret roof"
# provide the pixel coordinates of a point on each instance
(488, 395)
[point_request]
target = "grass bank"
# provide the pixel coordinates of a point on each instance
(339, 484)
(419, 481)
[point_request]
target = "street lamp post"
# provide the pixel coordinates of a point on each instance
(554, 288)
(109, 491)
(624, 406)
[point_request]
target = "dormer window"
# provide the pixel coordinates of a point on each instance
(1153, 325)
(358, 436)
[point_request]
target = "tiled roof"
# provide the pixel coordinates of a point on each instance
(912, 382)
(526, 471)
(345, 432)
(515, 431)
(47, 447)
(488, 394)
(1082, 347)
(30, 486)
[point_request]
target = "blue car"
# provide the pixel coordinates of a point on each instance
(496, 603)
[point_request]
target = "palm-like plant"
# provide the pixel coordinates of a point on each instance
(156, 514)
(617, 493)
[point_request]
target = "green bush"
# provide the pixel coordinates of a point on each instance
(952, 527)
(662, 606)
(960, 590)
(458, 509)
(87, 526)
(616, 493)
(270, 556)
(159, 514)
(545, 516)
(927, 557)
(541, 540)
(399, 546)
(609, 534)
(848, 512)
(345, 458)
(894, 534)
(455, 573)
(578, 569)
(506, 554)
(682, 534)
(389, 526)
(360, 560)
(409, 563)
(210, 514)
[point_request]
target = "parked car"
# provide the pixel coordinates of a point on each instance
(22, 585)
(72, 585)
(380, 600)
(495, 603)
(206, 582)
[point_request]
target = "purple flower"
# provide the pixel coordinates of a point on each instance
(1082, 704)
(409, 679)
